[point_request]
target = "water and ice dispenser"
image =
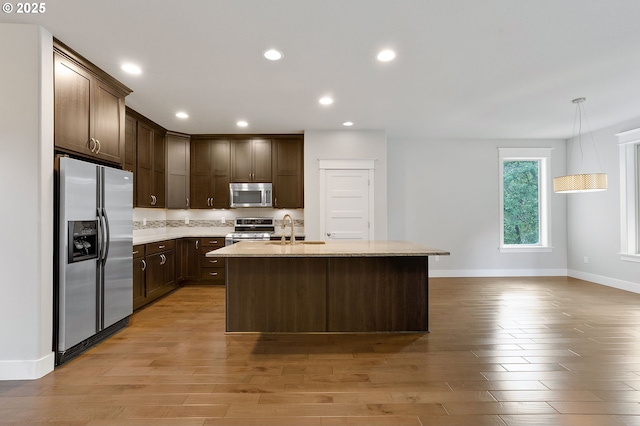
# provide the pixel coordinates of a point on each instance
(83, 240)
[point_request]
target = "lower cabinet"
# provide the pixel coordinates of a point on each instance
(154, 271)
(200, 269)
(159, 268)
(139, 273)
(211, 268)
(192, 259)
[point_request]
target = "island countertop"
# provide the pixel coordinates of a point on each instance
(378, 248)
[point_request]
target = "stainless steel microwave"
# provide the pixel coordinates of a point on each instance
(250, 194)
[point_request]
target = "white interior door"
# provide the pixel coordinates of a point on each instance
(347, 206)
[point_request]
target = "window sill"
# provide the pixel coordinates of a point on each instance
(630, 257)
(526, 249)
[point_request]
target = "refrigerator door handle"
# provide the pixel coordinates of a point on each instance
(107, 242)
(101, 235)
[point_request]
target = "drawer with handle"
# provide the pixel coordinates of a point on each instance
(160, 246)
(212, 242)
(209, 274)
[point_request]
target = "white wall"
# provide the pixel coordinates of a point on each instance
(26, 189)
(445, 193)
(594, 218)
(344, 144)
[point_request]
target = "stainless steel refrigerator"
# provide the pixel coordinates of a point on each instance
(94, 286)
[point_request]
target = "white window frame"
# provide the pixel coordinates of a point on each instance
(629, 146)
(543, 156)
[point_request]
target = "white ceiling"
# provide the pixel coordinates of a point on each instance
(464, 69)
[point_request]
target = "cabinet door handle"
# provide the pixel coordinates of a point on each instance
(135, 252)
(213, 273)
(197, 241)
(144, 264)
(163, 259)
(187, 201)
(92, 145)
(213, 261)
(99, 145)
(161, 246)
(213, 242)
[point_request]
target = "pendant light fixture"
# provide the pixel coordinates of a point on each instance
(582, 182)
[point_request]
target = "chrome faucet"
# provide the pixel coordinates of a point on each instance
(283, 240)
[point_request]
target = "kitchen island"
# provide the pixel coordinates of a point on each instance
(338, 286)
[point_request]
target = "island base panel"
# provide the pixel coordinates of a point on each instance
(345, 294)
(276, 295)
(369, 294)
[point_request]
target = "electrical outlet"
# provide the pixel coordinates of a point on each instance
(437, 258)
(144, 221)
(222, 220)
(586, 259)
(186, 220)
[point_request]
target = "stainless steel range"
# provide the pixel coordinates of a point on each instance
(251, 229)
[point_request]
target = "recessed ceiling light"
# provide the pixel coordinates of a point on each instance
(386, 55)
(326, 100)
(131, 69)
(348, 123)
(242, 123)
(182, 114)
(272, 54)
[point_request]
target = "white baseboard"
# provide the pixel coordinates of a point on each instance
(452, 273)
(481, 273)
(609, 282)
(27, 369)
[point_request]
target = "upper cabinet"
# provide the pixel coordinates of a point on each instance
(288, 173)
(89, 109)
(130, 151)
(210, 173)
(150, 160)
(251, 160)
(178, 159)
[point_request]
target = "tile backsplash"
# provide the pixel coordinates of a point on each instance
(161, 219)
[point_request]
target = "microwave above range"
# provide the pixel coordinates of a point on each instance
(250, 195)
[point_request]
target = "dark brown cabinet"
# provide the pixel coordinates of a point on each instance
(288, 173)
(89, 118)
(201, 269)
(150, 160)
(154, 271)
(209, 175)
(251, 160)
(150, 171)
(192, 259)
(139, 274)
(130, 154)
(180, 260)
(212, 269)
(178, 159)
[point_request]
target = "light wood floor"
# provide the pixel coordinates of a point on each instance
(514, 351)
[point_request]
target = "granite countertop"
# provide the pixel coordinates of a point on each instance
(153, 236)
(328, 249)
(171, 235)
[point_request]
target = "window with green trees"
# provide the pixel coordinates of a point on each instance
(524, 198)
(521, 202)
